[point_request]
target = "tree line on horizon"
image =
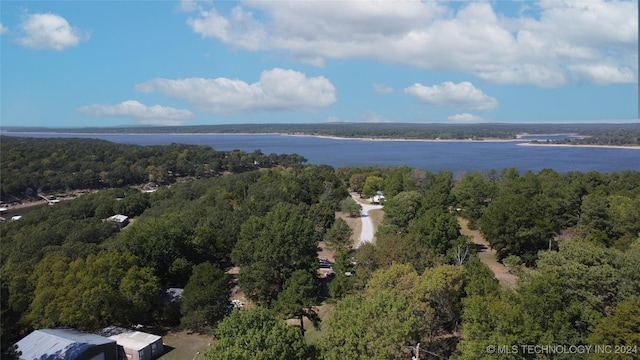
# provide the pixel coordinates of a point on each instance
(598, 134)
(572, 239)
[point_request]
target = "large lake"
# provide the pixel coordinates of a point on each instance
(457, 157)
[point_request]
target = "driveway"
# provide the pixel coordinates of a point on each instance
(366, 234)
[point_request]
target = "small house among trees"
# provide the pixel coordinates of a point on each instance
(133, 344)
(139, 345)
(378, 198)
(121, 220)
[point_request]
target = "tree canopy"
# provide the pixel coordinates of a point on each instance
(271, 248)
(338, 237)
(256, 334)
(380, 327)
(31, 165)
(92, 293)
(205, 299)
(300, 293)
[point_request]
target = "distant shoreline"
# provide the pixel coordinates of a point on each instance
(624, 147)
(398, 139)
(332, 137)
(519, 138)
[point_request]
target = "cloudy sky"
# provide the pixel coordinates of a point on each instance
(101, 63)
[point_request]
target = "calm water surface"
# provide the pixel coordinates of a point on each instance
(457, 157)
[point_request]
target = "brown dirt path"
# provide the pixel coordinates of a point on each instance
(488, 255)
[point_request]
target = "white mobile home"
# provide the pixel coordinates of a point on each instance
(119, 219)
(138, 345)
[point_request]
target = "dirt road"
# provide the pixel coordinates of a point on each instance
(366, 233)
(488, 255)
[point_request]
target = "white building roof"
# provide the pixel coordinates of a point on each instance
(118, 218)
(135, 340)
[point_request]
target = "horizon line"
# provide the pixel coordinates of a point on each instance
(135, 126)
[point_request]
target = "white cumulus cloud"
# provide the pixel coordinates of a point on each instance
(462, 96)
(145, 115)
(277, 89)
(192, 5)
(3, 29)
(537, 47)
(603, 74)
(49, 31)
(240, 30)
(465, 118)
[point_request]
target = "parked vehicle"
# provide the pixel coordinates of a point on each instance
(324, 263)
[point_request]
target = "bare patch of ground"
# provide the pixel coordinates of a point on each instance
(359, 198)
(325, 253)
(236, 293)
(488, 255)
(18, 204)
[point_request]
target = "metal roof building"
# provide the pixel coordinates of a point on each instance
(66, 344)
(139, 345)
(119, 219)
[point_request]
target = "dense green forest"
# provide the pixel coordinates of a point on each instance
(600, 134)
(32, 165)
(572, 239)
(56, 258)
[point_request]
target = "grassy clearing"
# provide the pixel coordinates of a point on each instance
(185, 346)
(376, 217)
(313, 335)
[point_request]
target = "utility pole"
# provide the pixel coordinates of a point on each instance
(416, 349)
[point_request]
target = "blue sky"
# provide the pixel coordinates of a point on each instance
(102, 63)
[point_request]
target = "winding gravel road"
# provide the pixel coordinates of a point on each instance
(366, 234)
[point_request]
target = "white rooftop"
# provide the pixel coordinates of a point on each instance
(135, 340)
(118, 218)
